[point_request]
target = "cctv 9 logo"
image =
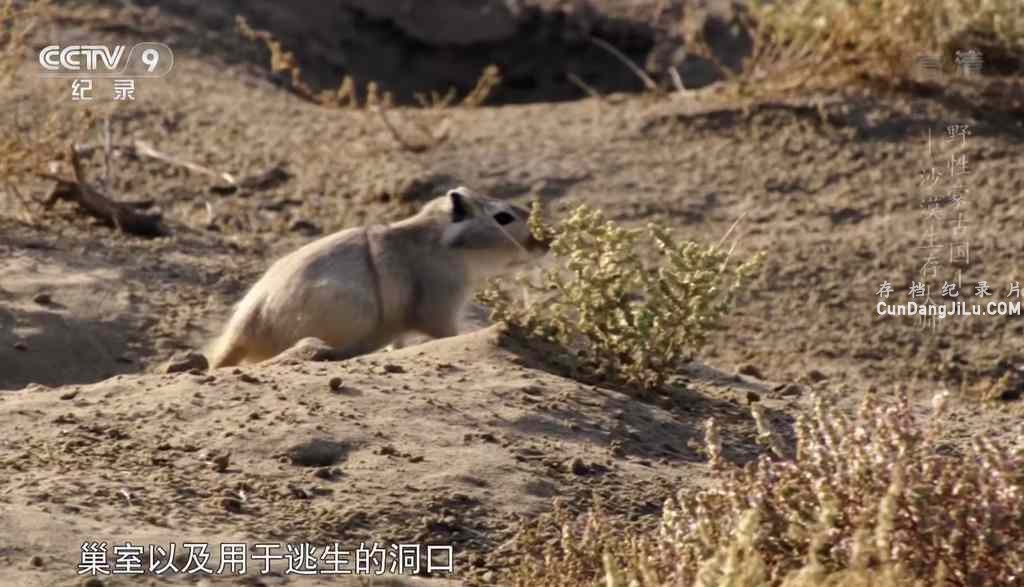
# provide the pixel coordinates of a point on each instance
(93, 61)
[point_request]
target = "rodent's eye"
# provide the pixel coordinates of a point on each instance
(504, 218)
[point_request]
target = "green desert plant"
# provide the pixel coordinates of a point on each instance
(873, 498)
(625, 317)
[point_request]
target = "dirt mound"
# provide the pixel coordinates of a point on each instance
(450, 442)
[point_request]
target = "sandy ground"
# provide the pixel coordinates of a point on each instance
(460, 441)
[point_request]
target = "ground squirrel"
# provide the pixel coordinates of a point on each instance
(361, 289)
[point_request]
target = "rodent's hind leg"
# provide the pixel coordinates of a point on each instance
(400, 342)
(439, 327)
(229, 357)
(316, 349)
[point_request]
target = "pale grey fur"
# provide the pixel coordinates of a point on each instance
(362, 288)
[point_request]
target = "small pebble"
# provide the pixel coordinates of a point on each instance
(750, 371)
(190, 361)
(232, 504)
(577, 467)
(246, 378)
(221, 462)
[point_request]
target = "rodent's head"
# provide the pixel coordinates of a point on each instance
(493, 235)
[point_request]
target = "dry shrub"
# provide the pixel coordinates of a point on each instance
(873, 498)
(435, 99)
(489, 79)
(283, 61)
(623, 316)
(29, 141)
(826, 43)
(29, 144)
(17, 19)
(434, 128)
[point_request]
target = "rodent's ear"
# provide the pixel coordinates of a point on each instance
(460, 208)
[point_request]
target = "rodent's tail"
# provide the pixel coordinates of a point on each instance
(229, 348)
(226, 350)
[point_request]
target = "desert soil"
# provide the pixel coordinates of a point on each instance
(458, 441)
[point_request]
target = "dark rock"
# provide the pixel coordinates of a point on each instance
(305, 228)
(308, 349)
(318, 452)
(815, 376)
(185, 361)
(246, 378)
(791, 390)
(576, 466)
(232, 504)
(750, 371)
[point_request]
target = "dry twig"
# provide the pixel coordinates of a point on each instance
(144, 149)
(640, 73)
(437, 136)
(94, 203)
